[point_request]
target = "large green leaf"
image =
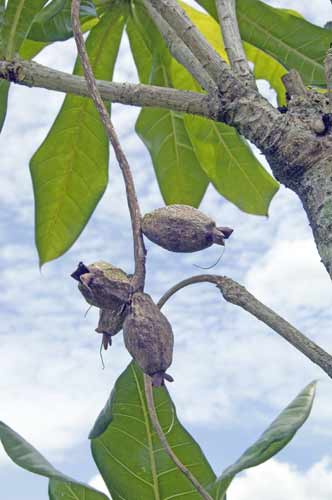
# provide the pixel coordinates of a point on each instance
(128, 453)
(231, 165)
(224, 156)
(29, 48)
(61, 487)
(53, 23)
(288, 38)
(4, 89)
(276, 437)
(17, 20)
(179, 174)
(70, 169)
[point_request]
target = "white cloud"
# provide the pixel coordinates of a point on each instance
(290, 276)
(276, 480)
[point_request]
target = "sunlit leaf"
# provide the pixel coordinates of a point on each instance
(17, 20)
(179, 174)
(70, 169)
(224, 156)
(61, 487)
(128, 453)
(274, 439)
(231, 165)
(178, 171)
(289, 38)
(53, 22)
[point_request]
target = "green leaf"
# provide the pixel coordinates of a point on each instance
(128, 453)
(29, 49)
(287, 37)
(4, 89)
(70, 169)
(178, 171)
(276, 437)
(231, 165)
(267, 68)
(17, 20)
(61, 487)
(141, 49)
(223, 154)
(53, 23)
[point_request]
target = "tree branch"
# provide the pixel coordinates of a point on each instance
(160, 433)
(191, 36)
(232, 39)
(180, 50)
(32, 74)
(236, 294)
(135, 215)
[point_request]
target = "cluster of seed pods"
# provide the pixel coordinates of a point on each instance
(148, 335)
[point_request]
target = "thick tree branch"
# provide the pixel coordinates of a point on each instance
(32, 74)
(135, 215)
(179, 50)
(160, 433)
(238, 295)
(232, 40)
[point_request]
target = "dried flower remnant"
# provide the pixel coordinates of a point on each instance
(182, 228)
(148, 336)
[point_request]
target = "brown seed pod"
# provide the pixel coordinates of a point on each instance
(181, 228)
(111, 323)
(148, 336)
(103, 285)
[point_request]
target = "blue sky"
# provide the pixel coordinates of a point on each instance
(232, 374)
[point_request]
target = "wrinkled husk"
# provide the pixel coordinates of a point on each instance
(105, 286)
(182, 228)
(148, 336)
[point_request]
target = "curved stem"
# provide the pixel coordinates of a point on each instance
(236, 294)
(135, 215)
(160, 433)
(200, 278)
(232, 39)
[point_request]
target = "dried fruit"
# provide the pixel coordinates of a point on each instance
(111, 323)
(108, 288)
(181, 228)
(148, 336)
(102, 284)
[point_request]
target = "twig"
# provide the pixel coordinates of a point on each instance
(232, 39)
(236, 294)
(294, 84)
(139, 249)
(180, 50)
(32, 74)
(191, 36)
(160, 433)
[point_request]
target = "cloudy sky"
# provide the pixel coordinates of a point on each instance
(226, 365)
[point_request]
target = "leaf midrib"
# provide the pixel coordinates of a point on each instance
(13, 28)
(75, 152)
(149, 438)
(243, 170)
(278, 40)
